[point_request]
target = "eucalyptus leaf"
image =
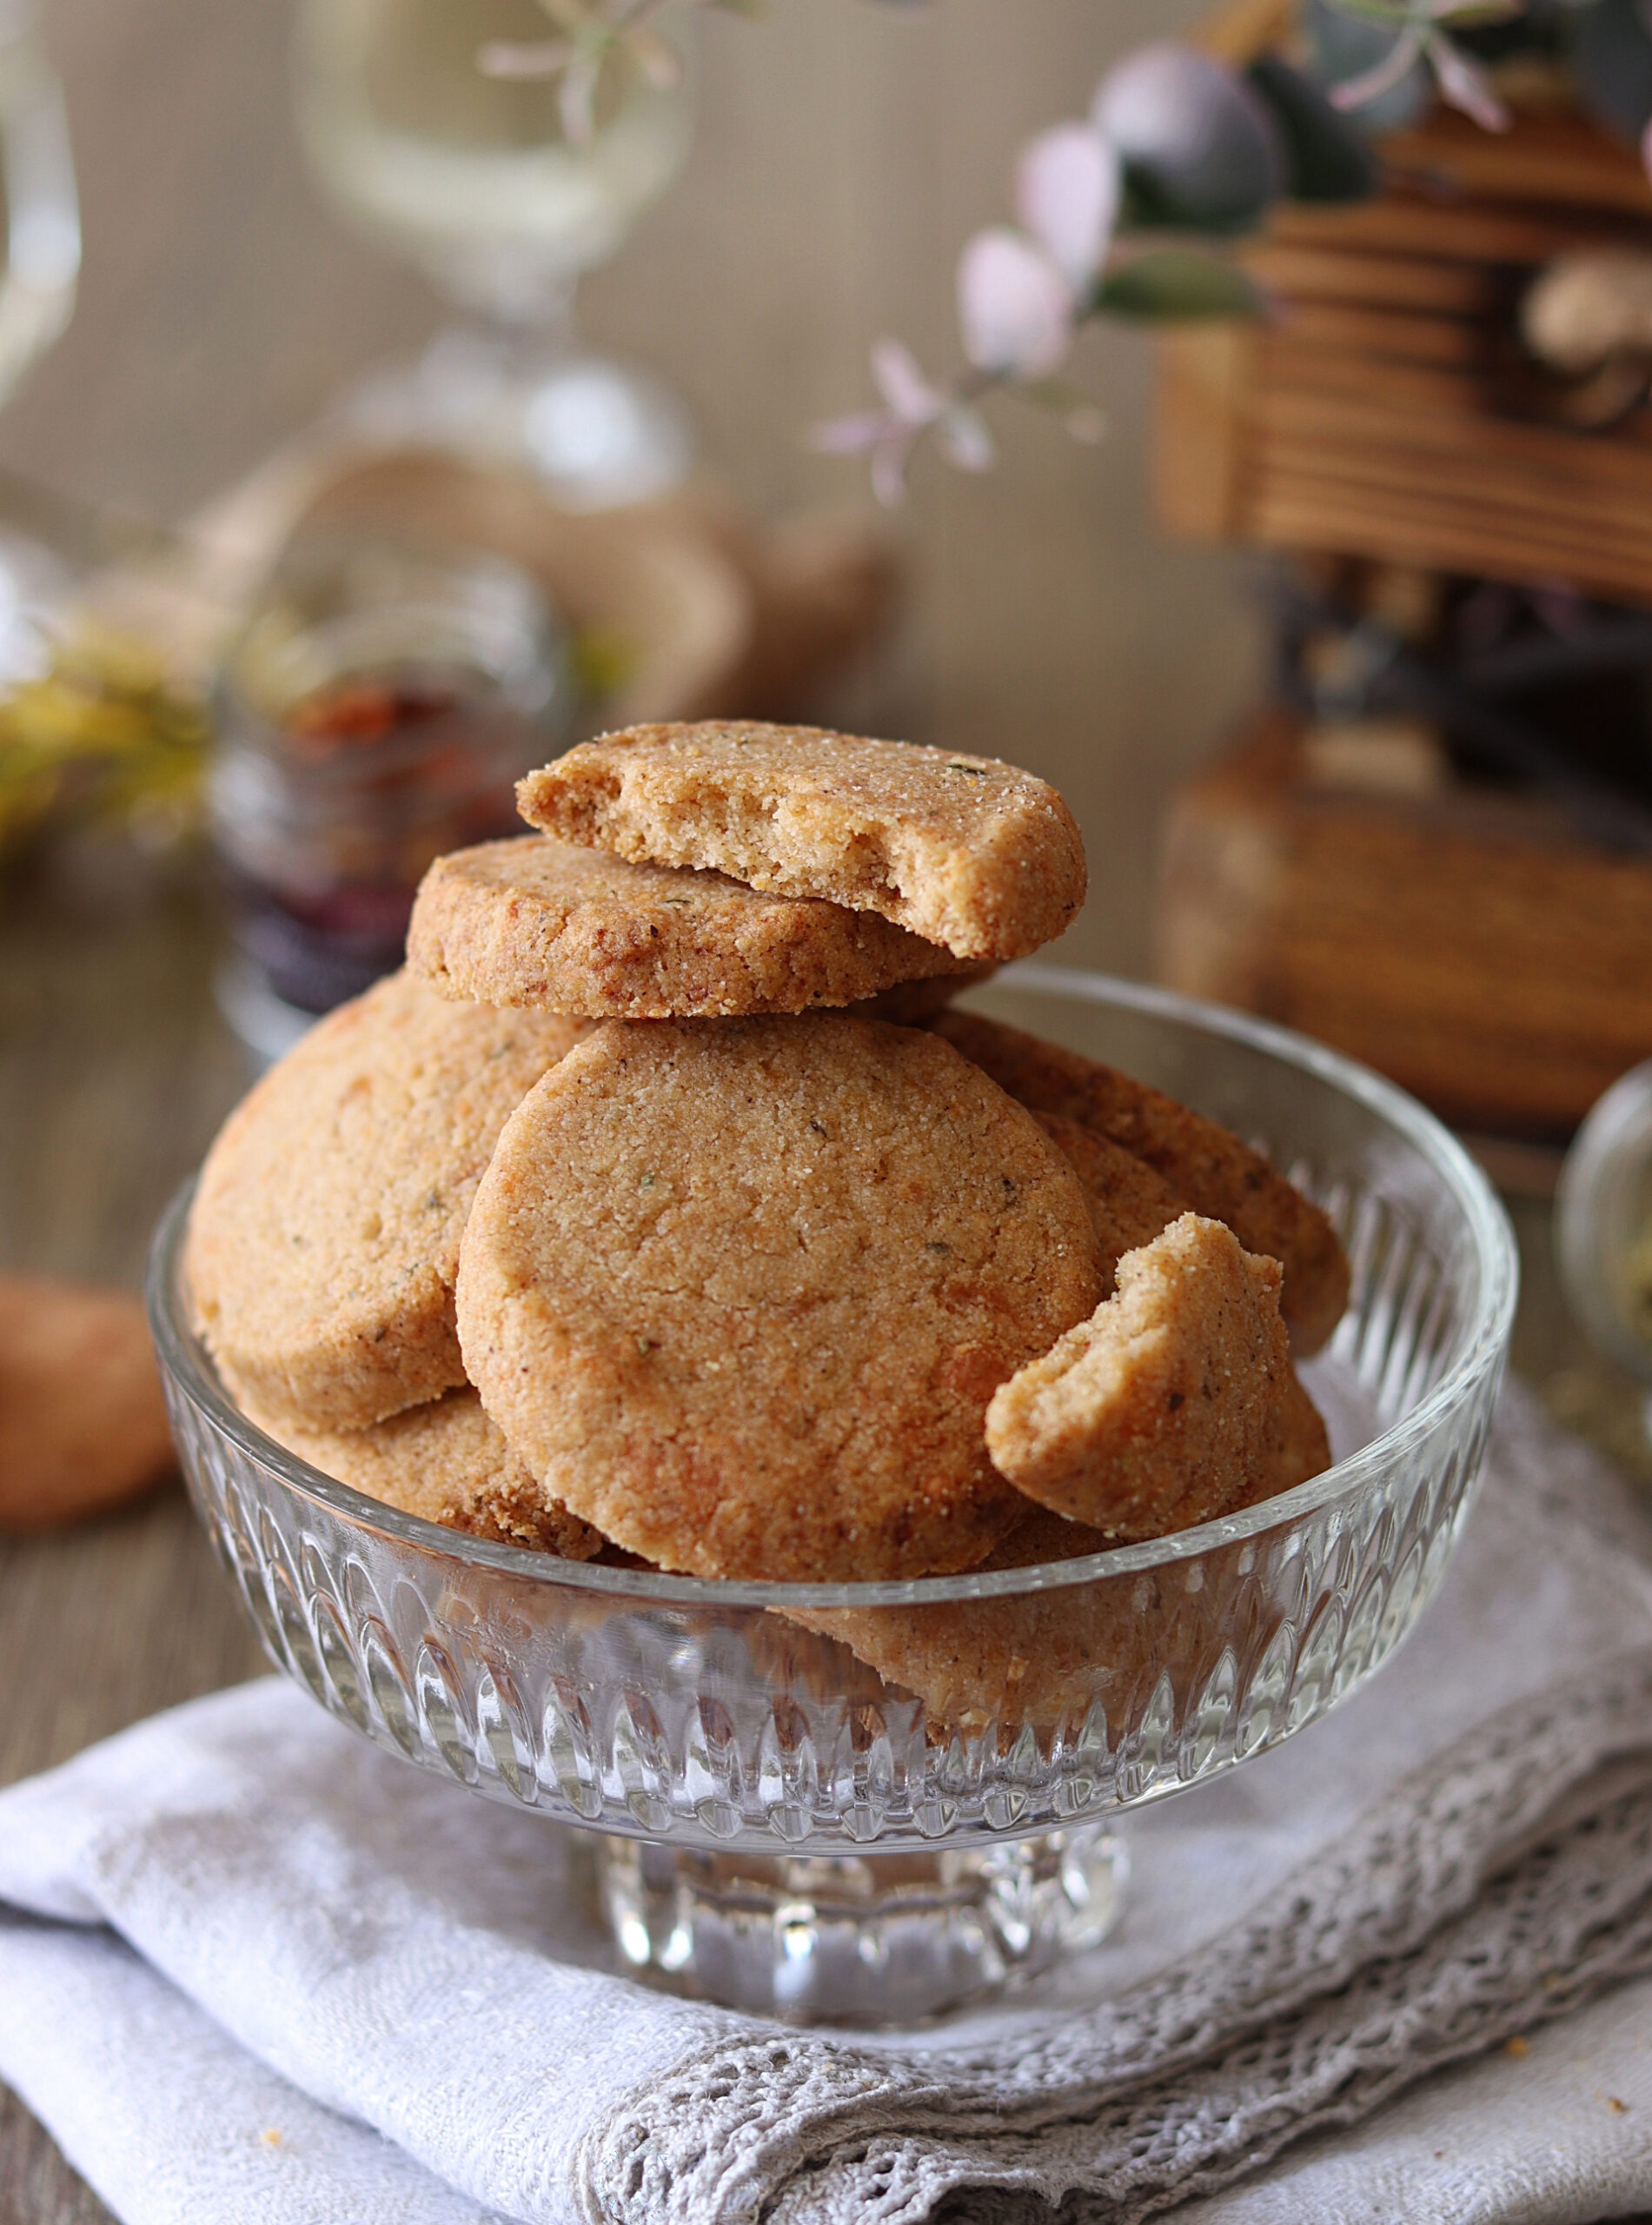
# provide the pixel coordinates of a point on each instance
(1170, 285)
(1326, 158)
(1199, 149)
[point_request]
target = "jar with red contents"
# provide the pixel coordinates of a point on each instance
(375, 710)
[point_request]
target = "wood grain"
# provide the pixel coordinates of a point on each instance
(1461, 945)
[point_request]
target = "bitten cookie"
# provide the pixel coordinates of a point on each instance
(539, 923)
(447, 1462)
(964, 850)
(1163, 1409)
(740, 1292)
(1206, 1165)
(324, 1238)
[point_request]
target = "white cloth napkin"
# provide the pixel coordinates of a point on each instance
(254, 1970)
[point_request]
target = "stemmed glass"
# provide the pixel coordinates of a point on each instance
(40, 237)
(475, 177)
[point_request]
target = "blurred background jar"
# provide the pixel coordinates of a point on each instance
(375, 710)
(424, 132)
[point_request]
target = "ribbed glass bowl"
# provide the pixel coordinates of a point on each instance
(786, 1827)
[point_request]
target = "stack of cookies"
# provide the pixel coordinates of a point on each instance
(663, 1208)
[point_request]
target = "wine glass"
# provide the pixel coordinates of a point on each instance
(476, 179)
(40, 236)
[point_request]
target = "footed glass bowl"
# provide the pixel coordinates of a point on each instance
(878, 1801)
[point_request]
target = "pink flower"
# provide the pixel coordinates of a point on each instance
(1015, 308)
(912, 406)
(1465, 85)
(1066, 195)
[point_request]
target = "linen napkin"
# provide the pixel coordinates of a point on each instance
(256, 1971)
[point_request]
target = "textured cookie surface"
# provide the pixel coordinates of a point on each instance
(1205, 1163)
(324, 1238)
(1164, 1408)
(447, 1462)
(964, 851)
(738, 1292)
(541, 923)
(1045, 1656)
(1129, 1203)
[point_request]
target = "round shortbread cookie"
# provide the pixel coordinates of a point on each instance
(324, 1238)
(964, 851)
(740, 1292)
(543, 924)
(449, 1463)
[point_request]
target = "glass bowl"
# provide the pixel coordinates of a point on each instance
(878, 1801)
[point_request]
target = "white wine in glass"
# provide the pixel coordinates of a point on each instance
(40, 236)
(474, 177)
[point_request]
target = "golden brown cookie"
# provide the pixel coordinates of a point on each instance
(738, 1292)
(1129, 1203)
(1301, 1447)
(964, 850)
(539, 923)
(1164, 1408)
(324, 1238)
(82, 1423)
(909, 1004)
(447, 1462)
(1205, 1164)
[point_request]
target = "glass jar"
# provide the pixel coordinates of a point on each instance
(375, 710)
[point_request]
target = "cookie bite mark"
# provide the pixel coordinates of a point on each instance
(545, 925)
(739, 1293)
(323, 1240)
(1164, 1409)
(965, 852)
(1206, 1166)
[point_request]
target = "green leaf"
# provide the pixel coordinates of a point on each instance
(1167, 284)
(1326, 159)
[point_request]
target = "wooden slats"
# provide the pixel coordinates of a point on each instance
(1464, 946)
(1390, 335)
(1377, 416)
(1405, 282)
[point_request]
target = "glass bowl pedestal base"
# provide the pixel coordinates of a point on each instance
(870, 1939)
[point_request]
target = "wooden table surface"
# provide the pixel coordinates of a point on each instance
(845, 152)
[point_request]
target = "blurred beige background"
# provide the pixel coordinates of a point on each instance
(846, 151)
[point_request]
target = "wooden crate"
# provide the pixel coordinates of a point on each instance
(1467, 944)
(1376, 416)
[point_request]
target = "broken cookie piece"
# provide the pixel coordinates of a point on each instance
(1164, 1409)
